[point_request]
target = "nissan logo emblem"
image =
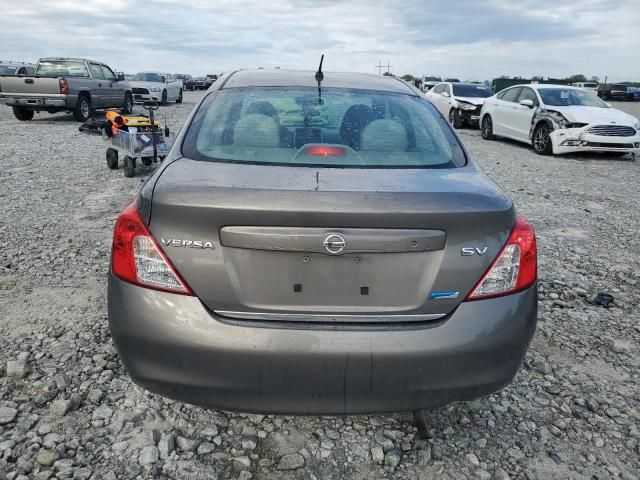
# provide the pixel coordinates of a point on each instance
(334, 244)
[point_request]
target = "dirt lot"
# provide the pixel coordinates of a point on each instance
(69, 410)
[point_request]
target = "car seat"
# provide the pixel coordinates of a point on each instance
(266, 108)
(354, 120)
(256, 130)
(384, 136)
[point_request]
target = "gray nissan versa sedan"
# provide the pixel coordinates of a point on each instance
(331, 250)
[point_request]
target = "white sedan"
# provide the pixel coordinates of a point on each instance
(459, 102)
(557, 119)
(157, 87)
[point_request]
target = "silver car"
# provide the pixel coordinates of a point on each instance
(327, 249)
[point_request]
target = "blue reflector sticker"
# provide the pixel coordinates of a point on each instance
(446, 295)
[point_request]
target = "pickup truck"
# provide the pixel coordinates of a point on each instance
(74, 84)
(615, 91)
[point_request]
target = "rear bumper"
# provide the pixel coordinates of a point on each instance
(173, 345)
(40, 102)
(578, 140)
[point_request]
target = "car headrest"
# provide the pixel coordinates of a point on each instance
(263, 108)
(256, 130)
(384, 136)
(353, 121)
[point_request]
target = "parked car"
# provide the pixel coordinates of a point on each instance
(559, 119)
(156, 87)
(459, 102)
(199, 83)
(210, 79)
(616, 91)
(588, 86)
(633, 94)
(60, 83)
(260, 269)
(9, 68)
(187, 80)
(430, 81)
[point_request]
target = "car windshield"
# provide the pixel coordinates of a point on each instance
(461, 90)
(7, 70)
(569, 97)
(61, 68)
(619, 87)
(346, 128)
(149, 77)
(432, 79)
(589, 85)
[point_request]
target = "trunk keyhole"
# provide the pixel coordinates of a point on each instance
(364, 290)
(297, 287)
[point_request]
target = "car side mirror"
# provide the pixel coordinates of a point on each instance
(527, 103)
(445, 94)
(120, 76)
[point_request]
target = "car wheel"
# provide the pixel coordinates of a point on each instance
(179, 99)
(164, 97)
(542, 140)
(129, 166)
(127, 108)
(112, 158)
(454, 118)
(23, 114)
(487, 128)
(82, 111)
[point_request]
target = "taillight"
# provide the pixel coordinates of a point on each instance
(514, 269)
(137, 259)
(326, 151)
(64, 86)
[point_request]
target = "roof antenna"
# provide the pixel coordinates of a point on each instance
(319, 78)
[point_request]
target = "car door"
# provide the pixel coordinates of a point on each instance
(172, 87)
(116, 89)
(503, 112)
(438, 98)
(99, 88)
(522, 115)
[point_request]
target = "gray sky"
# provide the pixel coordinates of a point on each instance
(467, 39)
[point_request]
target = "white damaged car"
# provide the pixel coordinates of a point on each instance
(557, 119)
(459, 102)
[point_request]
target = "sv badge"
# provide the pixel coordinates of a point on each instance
(468, 251)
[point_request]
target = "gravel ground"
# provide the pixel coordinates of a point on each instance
(69, 410)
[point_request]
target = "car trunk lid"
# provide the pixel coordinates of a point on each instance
(329, 244)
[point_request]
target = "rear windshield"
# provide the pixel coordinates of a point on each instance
(471, 91)
(61, 68)
(345, 128)
(561, 97)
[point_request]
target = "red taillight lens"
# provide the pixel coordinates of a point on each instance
(64, 86)
(326, 151)
(514, 269)
(137, 259)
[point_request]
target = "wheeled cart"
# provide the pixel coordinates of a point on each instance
(144, 143)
